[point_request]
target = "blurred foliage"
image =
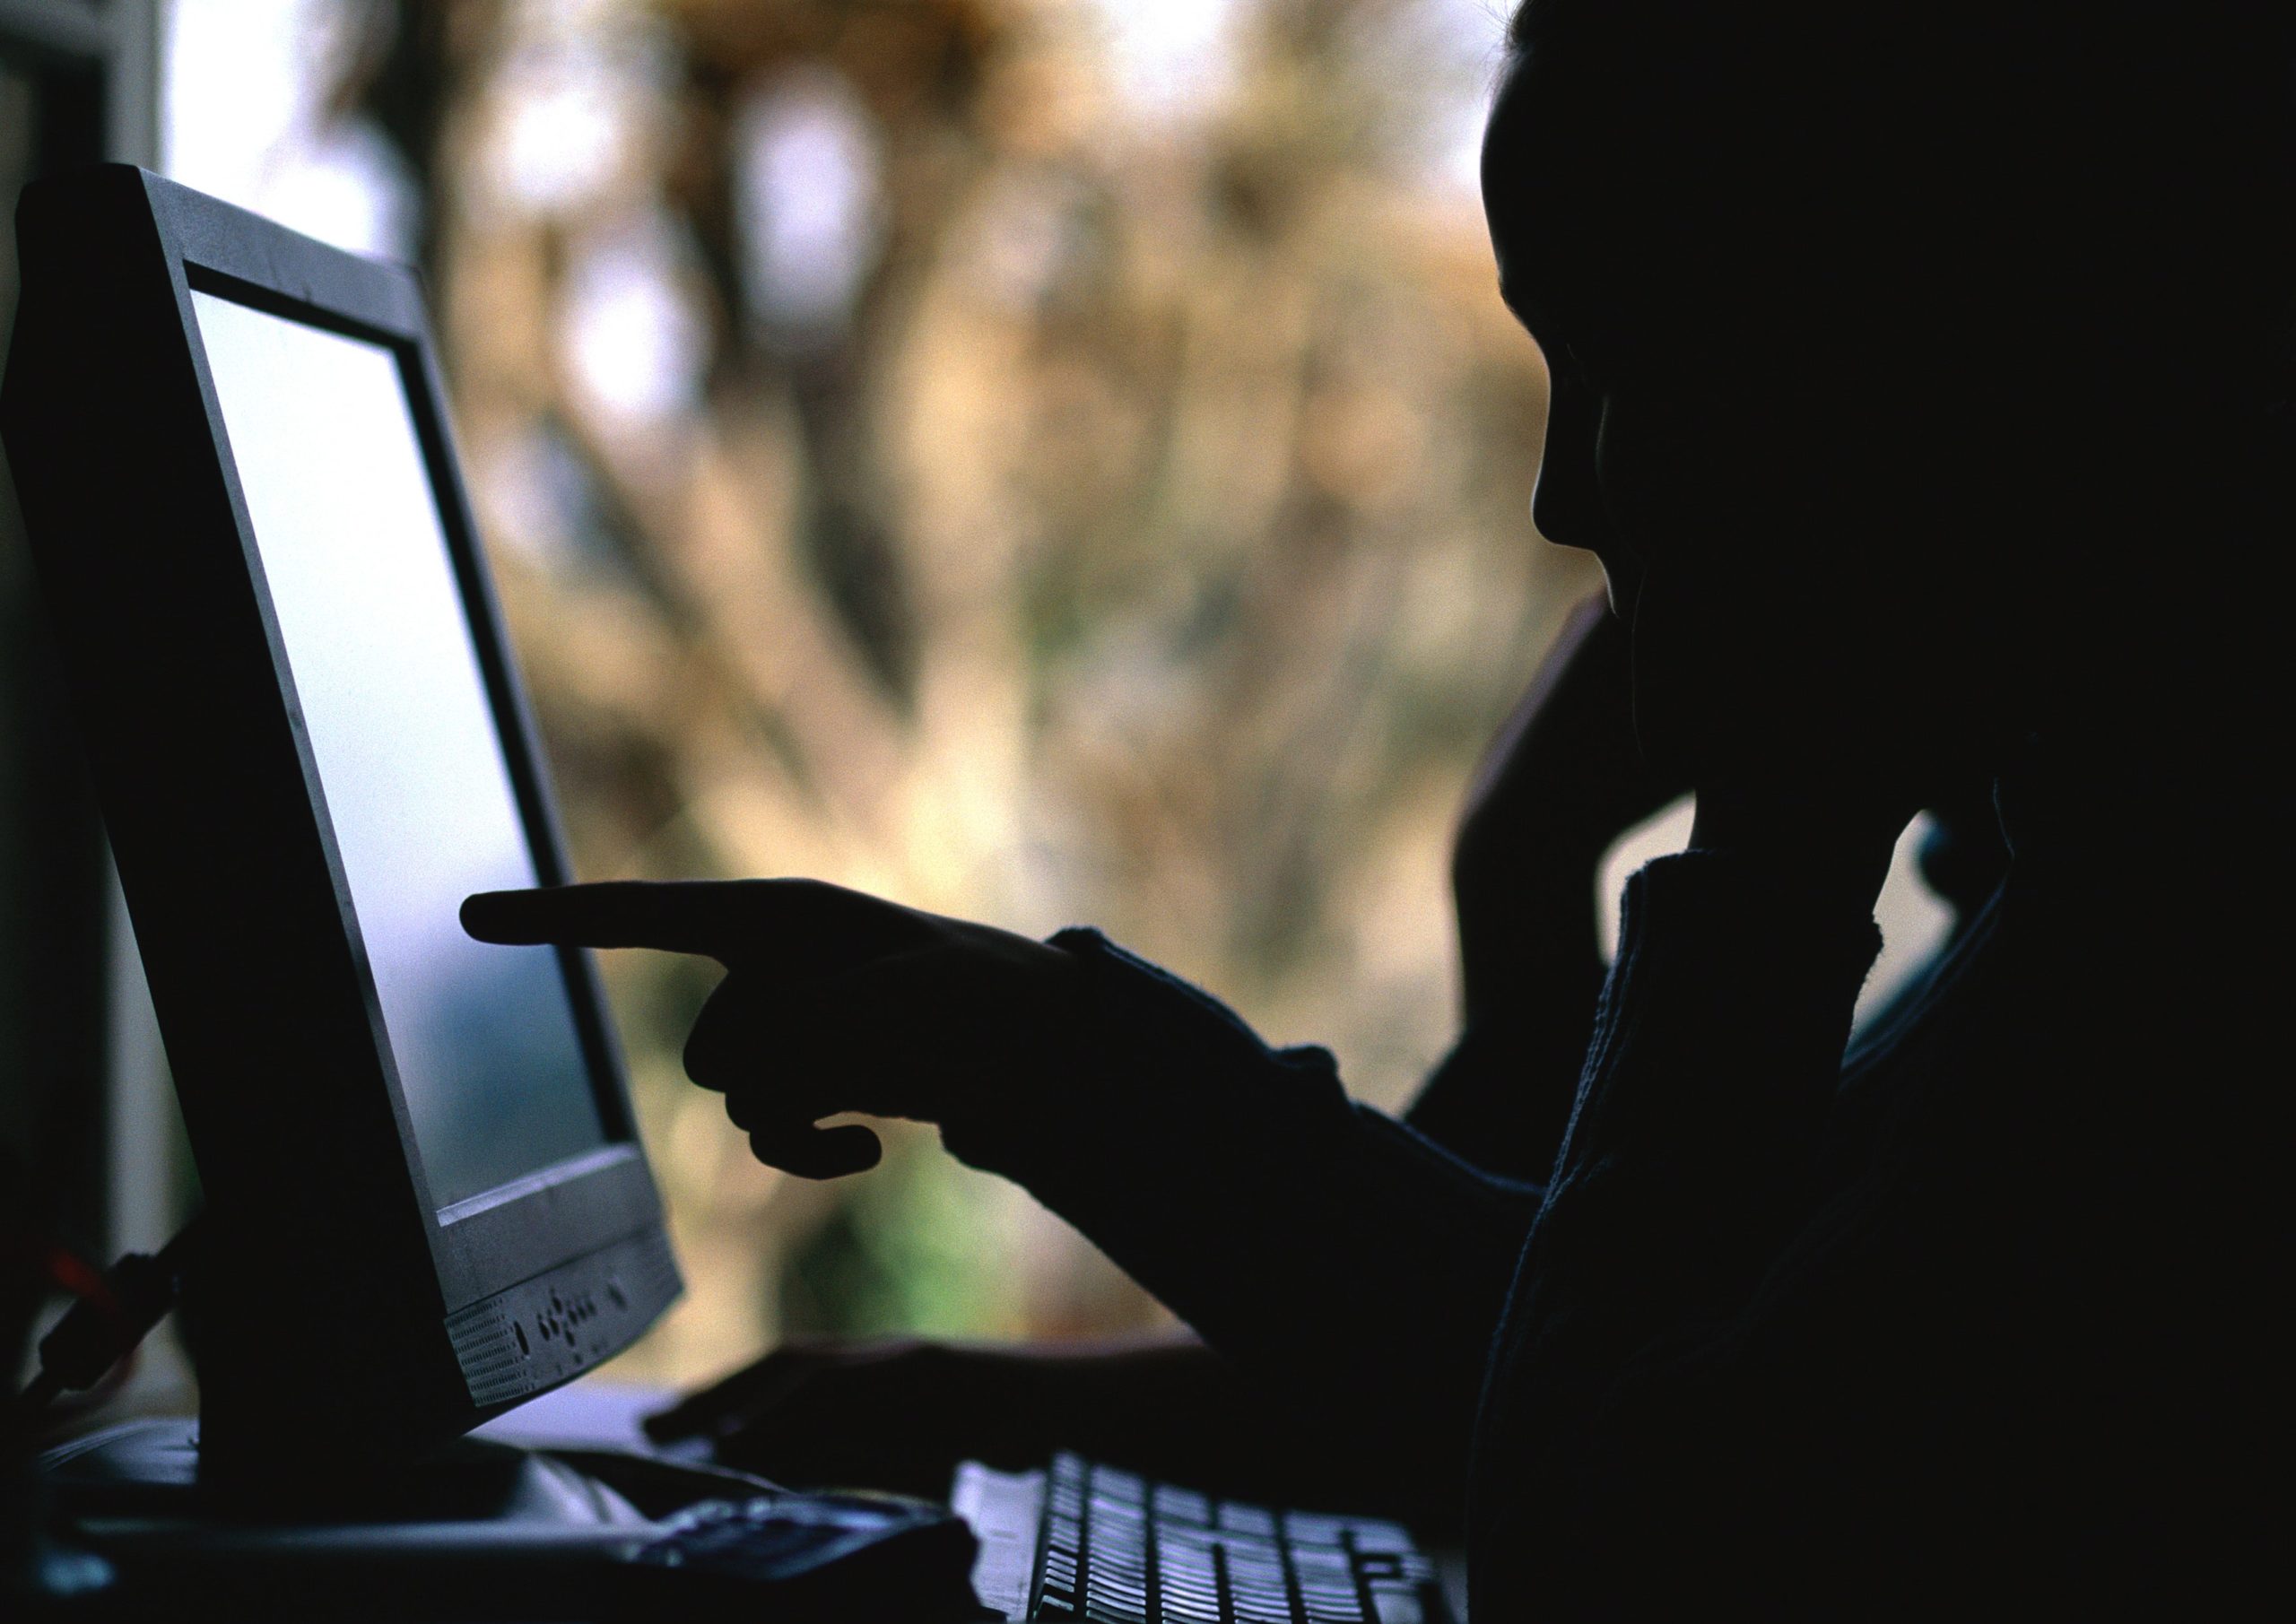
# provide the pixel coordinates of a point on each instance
(919, 454)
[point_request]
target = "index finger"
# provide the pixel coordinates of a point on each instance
(677, 916)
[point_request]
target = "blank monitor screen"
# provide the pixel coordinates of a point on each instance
(404, 738)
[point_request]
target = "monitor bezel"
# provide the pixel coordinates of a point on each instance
(380, 304)
(346, 1303)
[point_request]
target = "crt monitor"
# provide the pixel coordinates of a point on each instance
(425, 1197)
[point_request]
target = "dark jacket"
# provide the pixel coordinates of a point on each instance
(1979, 1314)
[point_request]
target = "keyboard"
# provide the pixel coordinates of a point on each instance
(1087, 1542)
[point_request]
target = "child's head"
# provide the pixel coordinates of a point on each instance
(1881, 333)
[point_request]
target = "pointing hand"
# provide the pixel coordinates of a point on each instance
(834, 1001)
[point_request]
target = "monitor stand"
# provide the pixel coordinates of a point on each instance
(152, 1470)
(481, 1529)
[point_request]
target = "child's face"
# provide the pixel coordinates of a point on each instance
(1712, 436)
(1527, 150)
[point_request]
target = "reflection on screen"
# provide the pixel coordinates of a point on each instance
(408, 753)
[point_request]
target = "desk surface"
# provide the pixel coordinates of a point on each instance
(598, 1413)
(587, 1414)
(178, 1548)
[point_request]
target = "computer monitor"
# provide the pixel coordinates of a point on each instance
(426, 1200)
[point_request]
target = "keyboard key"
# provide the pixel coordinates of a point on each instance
(1118, 1485)
(1394, 1604)
(1258, 1606)
(1309, 1528)
(1248, 1519)
(1181, 1506)
(1378, 1536)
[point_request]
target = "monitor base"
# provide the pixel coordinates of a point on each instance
(150, 1469)
(486, 1530)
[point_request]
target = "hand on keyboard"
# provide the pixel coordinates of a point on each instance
(1155, 1399)
(894, 1414)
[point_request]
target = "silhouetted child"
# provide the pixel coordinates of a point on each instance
(1920, 379)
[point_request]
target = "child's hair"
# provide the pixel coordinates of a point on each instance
(2088, 169)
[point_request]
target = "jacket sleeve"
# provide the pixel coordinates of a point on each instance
(1344, 1262)
(1500, 1096)
(1635, 1351)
